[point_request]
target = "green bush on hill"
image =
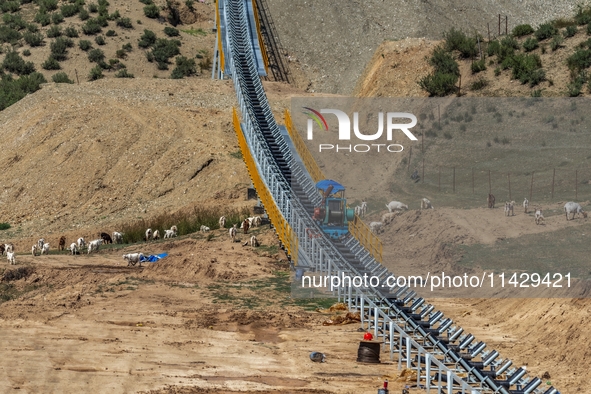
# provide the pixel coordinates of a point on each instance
(15, 64)
(522, 30)
(184, 68)
(61, 77)
(545, 31)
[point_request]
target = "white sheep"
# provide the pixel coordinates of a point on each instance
(34, 250)
(9, 248)
(363, 208)
(148, 234)
(117, 237)
(358, 210)
(574, 208)
(233, 232)
(169, 234)
(156, 235)
(45, 249)
(509, 208)
(222, 222)
(254, 242)
(204, 229)
(426, 204)
(10, 257)
(94, 245)
(73, 248)
(256, 221)
(539, 216)
(40, 243)
(376, 227)
(81, 243)
(388, 218)
(396, 206)
(525, 204)
(174, 230)
(133, 258)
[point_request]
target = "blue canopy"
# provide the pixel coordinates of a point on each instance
(154, 258)
(325, 183)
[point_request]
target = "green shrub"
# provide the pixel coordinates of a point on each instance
(16, 64)
(59, 48)
(522, 30)
(528, 69)
(57, 18)
(14, 21)
(478, 66)
(100, 40)
(92, 8)
(556, 42)
(114, 16)
(33, 39)
(479, 84)
(497, 72)
(4, 226)
(152, 11)
(125, 23)
(95, 73)
(147, 39)
(12, 90)
(51, 64)
(104, 65)
(457, 40)
(579, 61)
(85, 45)
(8, 35)
(575, 87)
(588, 29)
(54, 31)
(510, 42)
(545, 31)
(530, 44)
(10, 6)
(171, 31)
(102, 21)
(69, 10)
(71, 32)
(570, 31)
(537, 93)
(127, 47)
(49, 5)
(123, 74)
(83, 14)
(583, 15)
(91, 27)
(147, 2)
(42, 18)
(443, 62)
(111, 33)
(121, 54)
(493, 48)
(26, 52)
(184, 68)
(61, 77)
(164, 49)
(96, 55)
(439, 84)
(189, 4)
(32, 28)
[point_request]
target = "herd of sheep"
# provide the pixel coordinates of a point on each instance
(42, 247)
(570, 209)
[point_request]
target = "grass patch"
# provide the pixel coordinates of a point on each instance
(195, 32)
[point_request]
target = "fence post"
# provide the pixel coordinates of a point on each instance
(423, 176)
(489, 183)
(454, 180)
(509, 178)
(488, 29)
(576, 184)
(439, 178)
(506, 23)
(499, 25)
(439, 114)
(472, 180)
(531, 186)
(553, 176)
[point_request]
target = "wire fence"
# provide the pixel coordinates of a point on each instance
(469, 186)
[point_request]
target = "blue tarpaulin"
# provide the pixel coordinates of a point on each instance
(324, 184)
(153, 258)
